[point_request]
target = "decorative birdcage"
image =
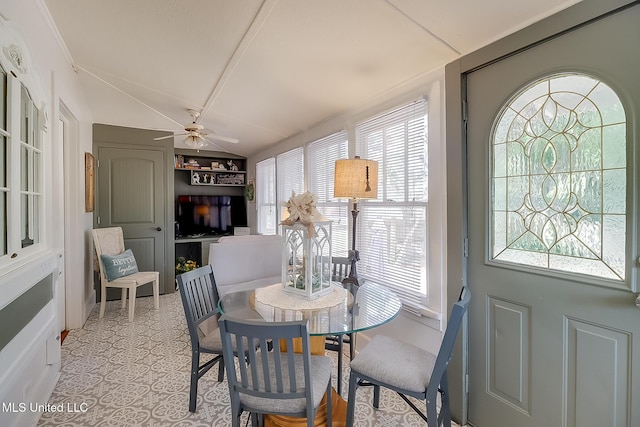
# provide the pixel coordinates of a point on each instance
(306, 257)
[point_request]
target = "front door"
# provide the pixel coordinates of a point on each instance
(131, 196)
(552, 148)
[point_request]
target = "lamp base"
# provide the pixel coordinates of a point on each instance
(354, 257)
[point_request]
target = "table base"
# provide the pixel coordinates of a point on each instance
(338, 415)
(338, 404)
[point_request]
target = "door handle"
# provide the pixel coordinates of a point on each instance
(638, 301)
(158, 228)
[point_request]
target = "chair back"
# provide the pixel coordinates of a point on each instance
(107, 241)
(450, 335)
(199, 299)
(277, 374)
(339, 268)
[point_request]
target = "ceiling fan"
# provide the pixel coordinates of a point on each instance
(197, 136)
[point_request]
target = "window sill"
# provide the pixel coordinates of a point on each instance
(422, 315)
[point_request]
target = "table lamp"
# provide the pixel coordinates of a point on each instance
(355, 179)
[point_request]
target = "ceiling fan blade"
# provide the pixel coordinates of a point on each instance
(170, 136)
(223, 138)
(163, 137)
(208, 141)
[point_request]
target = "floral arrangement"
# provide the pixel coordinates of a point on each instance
(183, 265)
(302, 208)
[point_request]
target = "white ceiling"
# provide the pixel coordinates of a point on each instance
(264, 70)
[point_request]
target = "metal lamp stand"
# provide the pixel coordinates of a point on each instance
(354, 255)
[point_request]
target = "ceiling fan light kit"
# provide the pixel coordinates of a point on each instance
(196, 134)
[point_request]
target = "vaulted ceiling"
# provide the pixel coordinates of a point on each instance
(264, 70)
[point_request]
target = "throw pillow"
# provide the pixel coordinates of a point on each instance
(116, 266)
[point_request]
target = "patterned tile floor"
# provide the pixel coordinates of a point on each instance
(116, 373)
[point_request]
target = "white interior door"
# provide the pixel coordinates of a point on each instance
(552, 140)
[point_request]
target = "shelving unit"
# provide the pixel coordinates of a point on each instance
(212, 168)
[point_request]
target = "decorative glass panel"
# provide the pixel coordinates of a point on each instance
(3, 221)
(30, 171)
(559, 178)
(26, 208)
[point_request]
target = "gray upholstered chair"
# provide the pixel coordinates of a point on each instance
(274, 382)
(200, 302)
(409, 370)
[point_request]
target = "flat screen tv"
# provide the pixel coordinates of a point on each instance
(214, 215)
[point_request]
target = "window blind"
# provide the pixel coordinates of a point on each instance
(290, 176)
(322, 155)
(266, 196)
(392, 229)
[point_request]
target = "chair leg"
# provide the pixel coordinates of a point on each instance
(351, 400)
(123, 298)
(103, 299)
(221, 370)
(156, 294)
(329, 407)
(193, 387)
(352, 345)
(376, 396)
(445, 409)
(132, 302)
(340, 340)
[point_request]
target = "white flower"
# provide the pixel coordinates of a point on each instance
(301, 208)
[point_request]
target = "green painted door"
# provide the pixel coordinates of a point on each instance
(552, 148)
(131, 195)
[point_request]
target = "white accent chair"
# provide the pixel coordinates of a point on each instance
(110, 241)
(246, 262)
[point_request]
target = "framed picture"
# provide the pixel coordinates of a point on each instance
(89, 182)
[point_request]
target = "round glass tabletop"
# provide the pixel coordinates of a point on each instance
(362, 307)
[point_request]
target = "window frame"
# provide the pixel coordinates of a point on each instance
(266, 204)
(388, 138)
(24, 145)
(322, 154)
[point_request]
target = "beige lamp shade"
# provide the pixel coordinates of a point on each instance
(356, 179)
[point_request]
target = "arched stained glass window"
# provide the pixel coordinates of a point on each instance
(559, 178)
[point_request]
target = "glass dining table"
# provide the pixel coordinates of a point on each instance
(363, 307)
(347, 309)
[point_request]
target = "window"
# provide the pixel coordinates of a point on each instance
(559, 178)
(277, 177)
(322, 155)
(21, 162)
(266, 196)
(290, 176)
(30, 161)
(392, 230)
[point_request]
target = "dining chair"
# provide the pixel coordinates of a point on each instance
(279, 381)
(339, 270)
(200, 302)
(409, 370)
(118, 269)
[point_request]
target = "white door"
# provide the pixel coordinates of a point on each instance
(553, 163)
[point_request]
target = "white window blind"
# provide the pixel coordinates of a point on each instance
(392, 230)
(321, 156)
(266, 196)
(290, 176)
